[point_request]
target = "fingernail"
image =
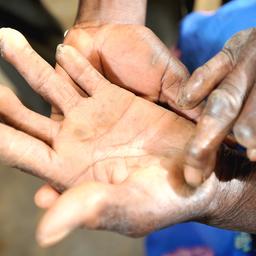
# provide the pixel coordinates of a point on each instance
(194, 177)
(47, 239)
(185, 100)
(60, 48)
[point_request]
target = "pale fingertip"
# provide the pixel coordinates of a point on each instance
(60, 49)
(45, 197)
(13, 35)
(46, 239)
(193, 177)
(251, 153)
(10, 34)
(4, 31)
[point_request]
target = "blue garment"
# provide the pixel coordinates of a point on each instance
(190, 235)
(201, 37)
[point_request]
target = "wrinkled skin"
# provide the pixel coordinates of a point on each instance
(119, 156)
(132, 57)
(125, 152)
(228, 80)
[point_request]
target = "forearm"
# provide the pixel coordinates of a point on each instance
(112, 11)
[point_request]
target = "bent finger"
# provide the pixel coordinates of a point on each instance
(207, 77)
(221, 111)
(204, 80)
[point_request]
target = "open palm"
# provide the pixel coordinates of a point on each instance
(123, 151)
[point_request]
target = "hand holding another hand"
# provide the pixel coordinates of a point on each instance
(228, 80)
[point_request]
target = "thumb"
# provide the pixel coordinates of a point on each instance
(76, 207)
(93, 206)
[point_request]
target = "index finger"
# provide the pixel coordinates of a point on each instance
(204, 80)
(207, 77)
(37, 72)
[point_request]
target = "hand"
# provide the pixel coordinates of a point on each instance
(121, 156)
(229, 79)
(125, 152)
(132, 57)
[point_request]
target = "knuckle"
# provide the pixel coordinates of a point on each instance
(190, 95)
(197, 152)
(187, 99)
(245, 133)
(202, 71)
(237, 44)
(44, 78)
(223, 104)
(145, 30)
(229, 53)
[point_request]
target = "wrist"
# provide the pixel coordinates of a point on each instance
(234, 205)
(112, 11)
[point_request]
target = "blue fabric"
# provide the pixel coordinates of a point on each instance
(191, 235)
(201, 37)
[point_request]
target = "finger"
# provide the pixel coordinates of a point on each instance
(37, 72)
(76, 207)
(94, 206)
(22, 151)
(56, 113)
(204, 80)
(14, 113)
(251, 153)
(207, 77)
(80, 70)
(245, 127)
(220, 113)
(45, 197)
(174, 78)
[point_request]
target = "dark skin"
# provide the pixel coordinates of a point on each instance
(228, 80)
(123, 174)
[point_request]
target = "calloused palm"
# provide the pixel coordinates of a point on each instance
(126, 151)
